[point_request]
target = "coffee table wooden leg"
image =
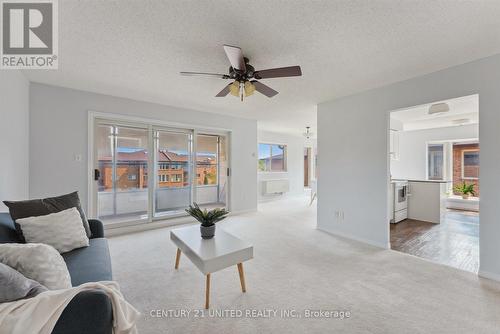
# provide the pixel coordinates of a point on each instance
(242, 277)
(207, 292)
(177, 258)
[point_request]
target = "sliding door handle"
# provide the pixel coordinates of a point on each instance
(97, 174)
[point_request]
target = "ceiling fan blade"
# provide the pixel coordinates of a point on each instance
(264, 89)
(235, 56)
(215, 75)
(224, 92)
(290, 71)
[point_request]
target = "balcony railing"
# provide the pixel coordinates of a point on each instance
(135, 202)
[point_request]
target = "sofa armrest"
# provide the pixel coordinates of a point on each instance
(89, 311)
(96, 228)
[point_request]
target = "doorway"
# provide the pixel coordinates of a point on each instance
(434, 163)
(146, 172)
(307, 166)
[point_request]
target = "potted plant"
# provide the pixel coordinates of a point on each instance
(207, 219)
(465, 189)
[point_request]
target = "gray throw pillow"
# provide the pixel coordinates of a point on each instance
(43, 207)
(15, 286)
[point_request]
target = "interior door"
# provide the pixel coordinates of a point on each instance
(306, 166)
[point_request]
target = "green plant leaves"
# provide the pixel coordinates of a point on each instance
(466, 189)
(205, 217)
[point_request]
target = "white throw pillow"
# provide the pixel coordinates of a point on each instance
(62, 230)
(39, 262)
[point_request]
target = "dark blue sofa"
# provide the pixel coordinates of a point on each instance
(89, 311)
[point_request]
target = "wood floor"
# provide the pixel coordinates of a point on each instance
(454, 242)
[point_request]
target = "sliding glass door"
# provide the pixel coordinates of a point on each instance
(146, 172)
(173, 166)
(211, 170)
(122, 173)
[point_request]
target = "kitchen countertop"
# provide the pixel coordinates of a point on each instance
(427, 181)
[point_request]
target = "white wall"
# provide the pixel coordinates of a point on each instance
(295, 162)
(14, 136)
(58, 132)
(413, 148)
(354, 164)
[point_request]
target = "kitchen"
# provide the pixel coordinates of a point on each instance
(434, 185)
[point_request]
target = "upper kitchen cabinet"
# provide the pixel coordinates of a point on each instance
(394, 144)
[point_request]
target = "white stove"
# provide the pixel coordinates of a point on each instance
(400, 204)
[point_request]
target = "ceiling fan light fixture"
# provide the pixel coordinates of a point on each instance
(234, 89)
(461, 121)
(249, 88)
(245, 77)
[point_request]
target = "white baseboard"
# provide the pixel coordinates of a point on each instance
(488, 275)
(276, 197)
(358, 239)
(240, 212)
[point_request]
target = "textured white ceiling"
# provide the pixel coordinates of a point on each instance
(135, 49)
(463, 110)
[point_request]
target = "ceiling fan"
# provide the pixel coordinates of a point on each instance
(244, 77)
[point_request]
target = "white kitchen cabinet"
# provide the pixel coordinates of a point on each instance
(394, 144)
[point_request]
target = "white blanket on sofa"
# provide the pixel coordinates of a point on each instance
(40, 314)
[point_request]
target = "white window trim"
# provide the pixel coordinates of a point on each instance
(463, 165)
(285, 157)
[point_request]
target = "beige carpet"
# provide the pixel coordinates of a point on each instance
(297, 267)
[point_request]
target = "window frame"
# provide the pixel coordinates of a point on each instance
(463, 163)
(285, 158)
(444, 164)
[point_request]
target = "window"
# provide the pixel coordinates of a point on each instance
(435, 161)
(163, 178)
(272, 158)
(132, 177)
(470, 164)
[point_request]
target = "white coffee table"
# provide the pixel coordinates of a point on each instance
(211, 255)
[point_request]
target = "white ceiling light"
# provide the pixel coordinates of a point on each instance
(461, 121)
(438, 108)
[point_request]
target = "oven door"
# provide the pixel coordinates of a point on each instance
(400, 198)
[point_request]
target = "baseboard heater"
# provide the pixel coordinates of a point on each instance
(275, 186)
